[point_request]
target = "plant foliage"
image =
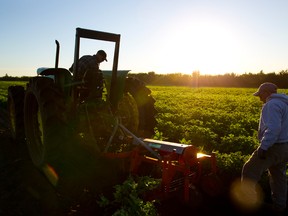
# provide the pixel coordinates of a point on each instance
(128, 198)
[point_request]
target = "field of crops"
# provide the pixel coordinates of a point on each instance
(223, 120)
(4, 90)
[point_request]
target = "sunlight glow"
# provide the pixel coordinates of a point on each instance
(201, 45)
(200, 155)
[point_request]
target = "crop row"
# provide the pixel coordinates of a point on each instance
(222, 120)
(215, 119)
(218, 119)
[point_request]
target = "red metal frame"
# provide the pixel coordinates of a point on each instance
(187, 164)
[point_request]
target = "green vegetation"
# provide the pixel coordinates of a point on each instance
(224, 119)
(128, 198)
(195, 79)
(4, 90)
(220, 120)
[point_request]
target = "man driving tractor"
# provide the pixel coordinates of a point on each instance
(88, 71)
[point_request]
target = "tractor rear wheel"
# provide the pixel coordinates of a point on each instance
(44, 123)
(52, 145)
(139, 108)
(15, 111)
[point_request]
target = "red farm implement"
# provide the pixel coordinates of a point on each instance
(182, 168)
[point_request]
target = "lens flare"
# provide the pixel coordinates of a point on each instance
(246, 195)
(51, 174)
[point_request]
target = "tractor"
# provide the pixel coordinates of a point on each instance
(78, 144)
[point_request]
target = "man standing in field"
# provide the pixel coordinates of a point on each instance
(272, 153)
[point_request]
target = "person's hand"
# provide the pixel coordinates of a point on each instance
(261, 153)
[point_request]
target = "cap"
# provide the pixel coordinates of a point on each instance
(266, 87)
(102, 53)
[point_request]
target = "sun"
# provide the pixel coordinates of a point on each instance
(206, 46)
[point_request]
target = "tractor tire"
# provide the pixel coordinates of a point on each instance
(52, 145)
(15, 107)
(44, 123)
(144, 101)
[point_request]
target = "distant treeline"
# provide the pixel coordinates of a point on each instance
(10, 78)
(195, 79)
(247, 80)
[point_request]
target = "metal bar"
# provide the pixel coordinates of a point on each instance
(98, 35)
(141, 142)
(112, 136)
(76, 55)
(113, 86)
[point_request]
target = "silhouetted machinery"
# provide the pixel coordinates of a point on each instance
(70, 139)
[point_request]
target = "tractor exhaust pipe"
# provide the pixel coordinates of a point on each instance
(57, 53)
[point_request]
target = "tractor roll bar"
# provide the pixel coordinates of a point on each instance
(105, 36)
(97, 35)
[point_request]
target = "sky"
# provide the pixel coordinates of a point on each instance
(164, 36)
